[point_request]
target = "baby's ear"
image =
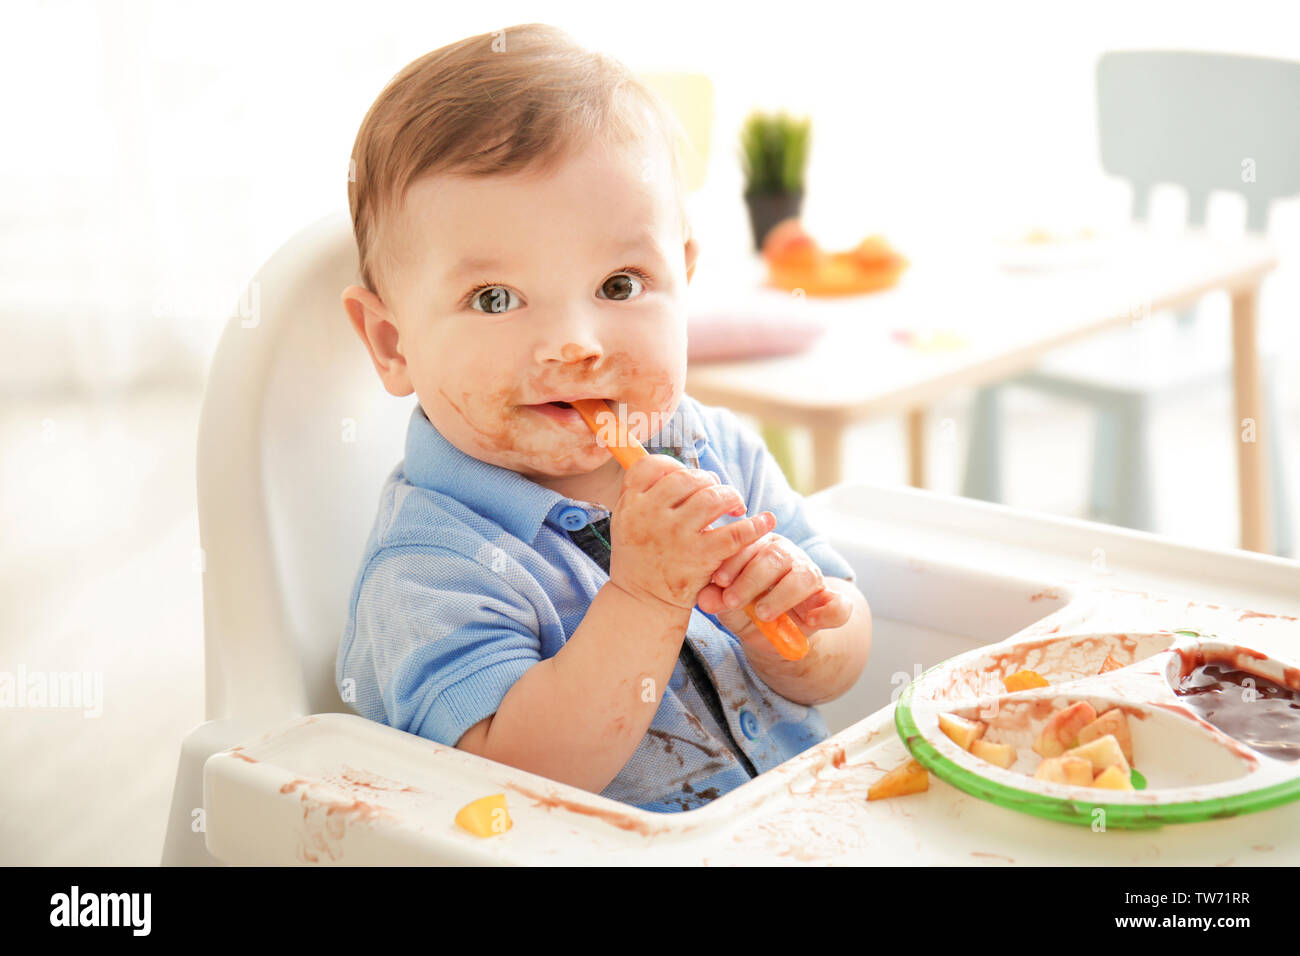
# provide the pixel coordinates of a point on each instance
(375, 327)
(357, 299)
(692, 253)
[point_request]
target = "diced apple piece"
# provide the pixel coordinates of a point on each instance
(1101, 753)
(1003, 755)
(1061, 732)
(1114, 777)
(961, 731)
(1114, 722)
(911, 777)
(1109, 664)
(486, 816)
(1024, 680)
(1071, 770)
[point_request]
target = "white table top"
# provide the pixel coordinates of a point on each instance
(1007, 318)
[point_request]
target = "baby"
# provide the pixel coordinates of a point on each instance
(519, 213)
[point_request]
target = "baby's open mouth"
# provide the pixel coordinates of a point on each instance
(563, 412)
(559, 403)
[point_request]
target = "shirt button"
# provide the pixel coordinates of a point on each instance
(573, 518)
(749, 724)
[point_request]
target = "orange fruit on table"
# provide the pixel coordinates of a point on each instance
(874, 252)
(839, 273)
(788, 244)
(795, 261)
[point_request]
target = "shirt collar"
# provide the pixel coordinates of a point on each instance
(519, 504)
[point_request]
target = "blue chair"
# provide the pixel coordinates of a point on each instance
(1205, 122)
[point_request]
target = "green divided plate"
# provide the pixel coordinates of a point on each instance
(1233, 780)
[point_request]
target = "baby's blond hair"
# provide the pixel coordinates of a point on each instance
(500, 102)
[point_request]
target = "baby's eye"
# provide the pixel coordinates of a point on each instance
(492, 299)
(624, 285)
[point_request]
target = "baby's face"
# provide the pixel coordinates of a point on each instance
(517, 291)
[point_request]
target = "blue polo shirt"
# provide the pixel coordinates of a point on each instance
(473, 573)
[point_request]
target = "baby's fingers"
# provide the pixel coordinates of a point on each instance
(730, 538)
(730, 568)
(827, 608)
(800, 583)
(709, 600)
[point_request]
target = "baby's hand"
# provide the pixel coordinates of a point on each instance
(784, 579)
(659, 549)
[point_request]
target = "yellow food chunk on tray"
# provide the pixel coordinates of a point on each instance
(486, 816)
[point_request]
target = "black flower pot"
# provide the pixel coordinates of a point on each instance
(767, 209)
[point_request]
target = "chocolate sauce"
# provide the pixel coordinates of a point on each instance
(1263, 715)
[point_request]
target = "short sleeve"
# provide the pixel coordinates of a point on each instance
(765, 488)
(447, 639)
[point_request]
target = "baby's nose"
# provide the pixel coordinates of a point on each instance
(571, 350)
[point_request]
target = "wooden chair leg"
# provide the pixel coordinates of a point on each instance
(828, 456)
(916, 437)
(1253, 503)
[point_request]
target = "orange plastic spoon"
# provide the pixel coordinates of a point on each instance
(784, 633)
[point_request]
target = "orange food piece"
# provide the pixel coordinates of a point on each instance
(1023, 680)
(486, 816)
(1110, 664)
(1001, 755)
(961, 731)
(911, 777)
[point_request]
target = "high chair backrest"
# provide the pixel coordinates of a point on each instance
(1203, 121)
(296, 437)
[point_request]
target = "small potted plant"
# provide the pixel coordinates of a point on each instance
(774, 155)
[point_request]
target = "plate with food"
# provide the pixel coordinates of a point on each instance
(1123, 730)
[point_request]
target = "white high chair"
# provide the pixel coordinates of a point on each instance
(295, 424)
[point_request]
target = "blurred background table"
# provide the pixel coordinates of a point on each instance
(965, 318)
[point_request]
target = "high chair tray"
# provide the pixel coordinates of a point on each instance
(947, 579)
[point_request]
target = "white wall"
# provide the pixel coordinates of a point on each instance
(157, 153)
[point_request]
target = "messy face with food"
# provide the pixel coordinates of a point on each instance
(518, 294)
